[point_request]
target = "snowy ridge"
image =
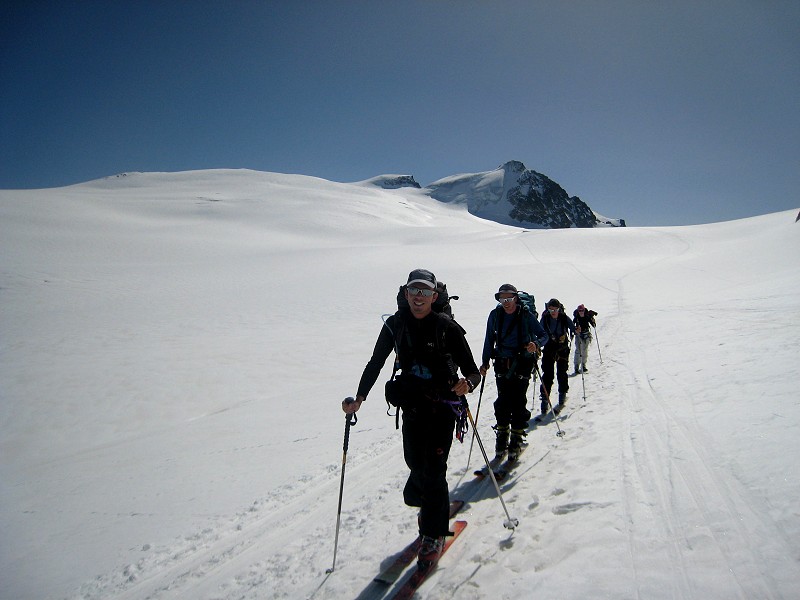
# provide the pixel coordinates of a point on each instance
(174, 349)
(515, 195)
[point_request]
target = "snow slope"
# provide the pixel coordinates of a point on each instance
(174, 348)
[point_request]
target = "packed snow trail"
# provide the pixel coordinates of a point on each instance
(173, 371)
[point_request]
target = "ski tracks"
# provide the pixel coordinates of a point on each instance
(682, 507)
(279, 544)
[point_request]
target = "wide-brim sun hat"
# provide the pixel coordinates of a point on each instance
(506, 288)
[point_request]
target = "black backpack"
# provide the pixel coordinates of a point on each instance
(444, 312)
(441, 307)
(566, 337)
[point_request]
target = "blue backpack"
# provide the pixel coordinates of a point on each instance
(527, 300)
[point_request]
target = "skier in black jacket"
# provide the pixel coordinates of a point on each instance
(560, 328)
(429, 346)
(584, 321)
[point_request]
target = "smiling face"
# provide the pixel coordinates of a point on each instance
(508, 301)
(420, 299)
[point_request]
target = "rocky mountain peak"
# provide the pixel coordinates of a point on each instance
(515, 195)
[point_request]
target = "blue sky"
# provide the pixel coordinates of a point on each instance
(660, 113)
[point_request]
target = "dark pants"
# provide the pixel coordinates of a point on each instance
(512, 387)
(427, 437)
(555, 358)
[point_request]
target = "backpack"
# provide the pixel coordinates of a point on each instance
(527, 300)
(441, 306)
(444, 312)
(526, 303)
(566, 337)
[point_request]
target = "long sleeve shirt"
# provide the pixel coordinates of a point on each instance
(423, 356)
(585, 321)
(507, 335)
(559, 330)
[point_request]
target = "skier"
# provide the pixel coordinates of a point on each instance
(560, 329)
(429, 346)
(584, 321)
(514, 339)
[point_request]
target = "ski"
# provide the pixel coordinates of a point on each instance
(483, 472)
(419, 576)
(551, 415)
(504, 469)
(392, 573)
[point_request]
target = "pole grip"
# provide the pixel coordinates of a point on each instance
(349, 419)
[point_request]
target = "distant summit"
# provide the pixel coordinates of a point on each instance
(511, 194)
(393, 182)
(514, 195)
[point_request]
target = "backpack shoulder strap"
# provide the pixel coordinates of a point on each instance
(442, 321)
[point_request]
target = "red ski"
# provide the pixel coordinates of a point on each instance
(419, 576)
(392, 573)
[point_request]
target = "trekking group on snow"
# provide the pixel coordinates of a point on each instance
(430, 348)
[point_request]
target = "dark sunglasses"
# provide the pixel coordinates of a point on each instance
(415, 291)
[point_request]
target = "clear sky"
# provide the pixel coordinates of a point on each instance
(661, 113)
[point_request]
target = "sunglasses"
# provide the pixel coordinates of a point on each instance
(415, 291)
(507, 300)
(552, 308)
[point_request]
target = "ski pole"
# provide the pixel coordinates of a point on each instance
(349, 419)
(509, 523)
(477, 414)
(550, 404)
(597, 339)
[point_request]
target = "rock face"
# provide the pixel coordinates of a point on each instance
(514, 195)
(395, 182)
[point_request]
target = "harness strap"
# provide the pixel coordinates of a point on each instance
(458, 406)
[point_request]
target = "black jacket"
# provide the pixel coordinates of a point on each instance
(423, 345)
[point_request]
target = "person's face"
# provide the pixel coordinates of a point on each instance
(581, 312)
(553, 310)
(420, 299)
(509, 302)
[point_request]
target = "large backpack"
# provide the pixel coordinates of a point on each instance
(528, 301)
(566, 337)
(402, 339)
(441, 306)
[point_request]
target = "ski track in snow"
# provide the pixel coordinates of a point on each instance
(641, 498)
(663, 462)
(231, 552)
(666, 462)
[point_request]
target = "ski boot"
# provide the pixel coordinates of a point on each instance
(429, 551)
(517, 443)
(501, 442)
(562, 402)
